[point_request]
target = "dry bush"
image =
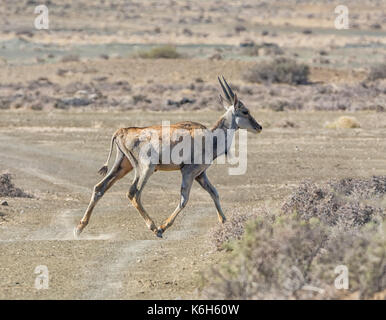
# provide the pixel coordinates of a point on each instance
(285, 123)
(343, 123)
(348, 202)
(164, 52)
(252, 51)
(280, 70)
(233, 229)
(70, 58)
(7, 188)
(103, 93)
(279, 257)
(377, 72)
(318, 228)
(280, 104)
(263, 263)
(363, 252)
(3, 217)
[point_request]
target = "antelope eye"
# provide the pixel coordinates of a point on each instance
(244, 112)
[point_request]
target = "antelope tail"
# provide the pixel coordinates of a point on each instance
(102, 171)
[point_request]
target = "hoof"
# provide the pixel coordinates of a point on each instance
(77, 232)
(159, 233)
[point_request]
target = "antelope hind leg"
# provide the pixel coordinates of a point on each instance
(121, 167)
(187, 181)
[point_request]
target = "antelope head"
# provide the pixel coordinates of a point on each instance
(239, 113)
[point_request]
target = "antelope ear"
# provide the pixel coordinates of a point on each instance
(221, 99)
(235, 101)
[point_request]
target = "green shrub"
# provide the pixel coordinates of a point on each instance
(280, 70)
(164, 52)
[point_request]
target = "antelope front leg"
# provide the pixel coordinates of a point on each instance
(134, 195)
(136, 202)
(186, 185)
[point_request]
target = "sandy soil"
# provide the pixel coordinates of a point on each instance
(117, 28)
(203, 22)
(55, 157)
(54, 154)
(169, 71)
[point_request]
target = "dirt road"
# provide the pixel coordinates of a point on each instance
(55, 156)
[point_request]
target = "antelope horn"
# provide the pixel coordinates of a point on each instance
(229, 89)
(225, 90)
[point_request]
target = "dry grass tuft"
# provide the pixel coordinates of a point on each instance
(343, 122)
(163, 52)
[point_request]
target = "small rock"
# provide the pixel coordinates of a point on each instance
(4, 203)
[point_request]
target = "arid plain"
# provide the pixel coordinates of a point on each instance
(63, 92)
